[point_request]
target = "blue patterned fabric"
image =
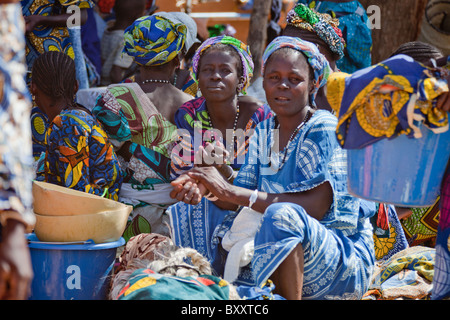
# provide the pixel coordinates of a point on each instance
(392, 240)
(16, 169)
(79, 155)
(337, 267)
(154, 40)
(339, 253)
(353, 23)
(374, 103)
(340, 244)
(201, 227)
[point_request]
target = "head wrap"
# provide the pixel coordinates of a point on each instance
(153, 40)
(242, 49)
(315, 59)
(321, 24)
(183, 18)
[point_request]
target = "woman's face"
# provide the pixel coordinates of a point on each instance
(47, 104)
(286, 82)
(218, 76)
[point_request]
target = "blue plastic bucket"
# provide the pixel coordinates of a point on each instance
(71, 271)
(402, 171)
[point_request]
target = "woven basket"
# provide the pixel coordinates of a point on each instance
(435, 27)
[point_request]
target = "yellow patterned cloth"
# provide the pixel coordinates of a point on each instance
(406, 275)
(422, 225)
(154, 40)
(386, 100)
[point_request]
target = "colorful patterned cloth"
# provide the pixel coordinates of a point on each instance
(145, 284)
(79, 155)
(145, 139)
(39, 124)
(40, 40)
(406, 275)
(386, 100)
(192, 120)
(16, 170)
(264, 292)
(154, 40)
(338, 250)
(242, 49)
(316, 60)
(441, 280)
(44, 38)
(353, 22)
(394, 239)
(421, 226)
(323, 25)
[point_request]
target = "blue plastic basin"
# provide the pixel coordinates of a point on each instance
(402, 171)
(71, 271)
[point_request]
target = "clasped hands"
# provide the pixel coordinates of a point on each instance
(204, 178)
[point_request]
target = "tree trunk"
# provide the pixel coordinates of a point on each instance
(400, 22)
(257, 34)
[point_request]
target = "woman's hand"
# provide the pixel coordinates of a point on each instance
(16, 271)
(212, 154)
(187, 190)
(212, 180)
(443, 102)
(32, 22)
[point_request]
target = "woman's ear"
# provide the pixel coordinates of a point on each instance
(32, 88)
(311, 87)
(76, 87)
(177, 62)
(240, 83)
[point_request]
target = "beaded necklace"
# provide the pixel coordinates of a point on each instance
(231, 151)
(155, 81)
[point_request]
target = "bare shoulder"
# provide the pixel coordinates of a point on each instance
(250, 103)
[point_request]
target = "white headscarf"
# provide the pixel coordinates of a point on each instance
(183, 18)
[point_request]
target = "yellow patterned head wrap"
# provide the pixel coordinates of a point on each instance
(154, 40)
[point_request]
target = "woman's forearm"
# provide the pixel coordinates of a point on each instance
(60, 20)
(316, 201)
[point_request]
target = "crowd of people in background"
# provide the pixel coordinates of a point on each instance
(250, 173)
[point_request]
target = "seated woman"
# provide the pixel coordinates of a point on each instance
(315, 240)
(223, 67)
(78, 153)
(139, 119)
(323, 30)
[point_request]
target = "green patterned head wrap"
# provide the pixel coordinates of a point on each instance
(154, 40)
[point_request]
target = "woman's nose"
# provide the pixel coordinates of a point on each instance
(215, 75)
(283, 84)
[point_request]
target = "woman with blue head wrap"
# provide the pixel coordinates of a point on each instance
(139, 118)
(312, 238)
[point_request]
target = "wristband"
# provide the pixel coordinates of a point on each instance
(253, 198)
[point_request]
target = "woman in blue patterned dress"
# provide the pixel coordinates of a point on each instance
(314, 240)
(78, 153)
